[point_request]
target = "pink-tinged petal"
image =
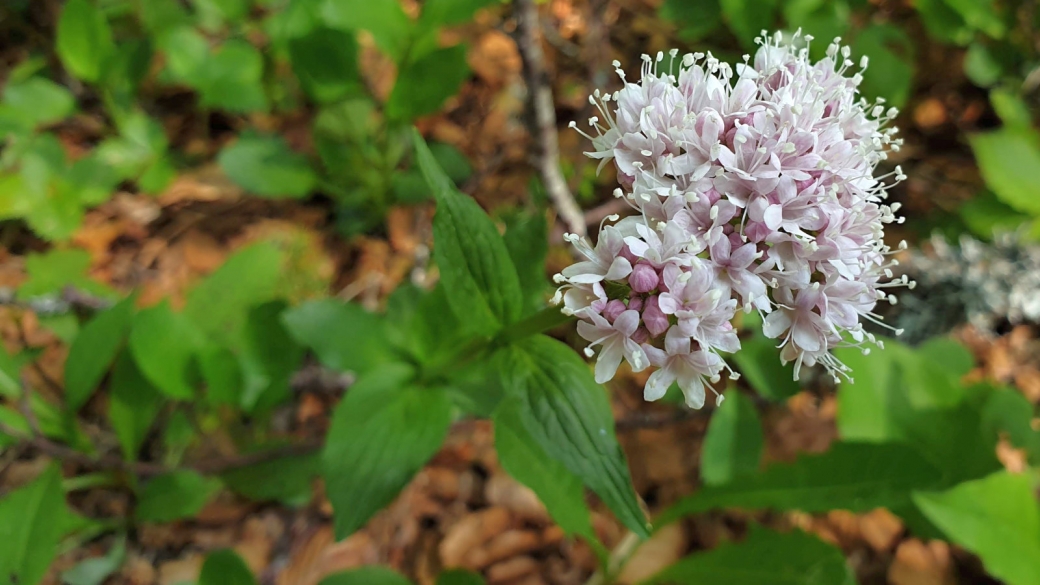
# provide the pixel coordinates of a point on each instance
(656, 355)
(743, 256)
(657, 384)
(619, 268)
(637, 246)
(627, 323)
(806, 337)
(668, 303)
(635, 356)
(592, 333)
(692, 385)
(773, 216)
(609, 360)
(776, 323)
(583, 273)
(675, 343)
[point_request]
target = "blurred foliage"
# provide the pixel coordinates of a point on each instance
(913, 437)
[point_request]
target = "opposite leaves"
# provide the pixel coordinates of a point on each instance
(477, 273)
(382, 432)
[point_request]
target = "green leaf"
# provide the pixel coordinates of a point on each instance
(459, 577)
(187, 54)
(269, 358)
(382, 432)
(10, 374)
(30, 527)
(985, 215)
(1008, 411)
(219, 304)
(366, 576)
(224, 567)
(132, 406)
(223, 376)
(159, 16)
(344, 336)
(1009, 160)
(424, 84)
(759, 362)
(93, 351)
(95, 570)
(694, 18)
(51, 272)
(981, 15)
(850, 476)
(213, 14)
(84, 40)
(164, 344)
(386, 21)
(38, 101)
(527, 240)
(175, 495)
(523, 459)
(232, 78)
(1011, 107)
(943, 23)
(569, 416)
(265, 166)
(733, 444)
(287, 479)
(997, 518)
(448, 12)
(748, 18)
(473, 259)
(891, 70)
(764, 556)
(326, 62)
(981, 66)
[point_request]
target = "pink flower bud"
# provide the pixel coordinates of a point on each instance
(641, 335)
(613, 309)
(635, 303)
(627, 254)
(644, 278)
(656, 322)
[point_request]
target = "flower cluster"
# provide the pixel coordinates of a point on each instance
(753, 189)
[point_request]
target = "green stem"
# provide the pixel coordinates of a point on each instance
(544, 320)
(478, 348)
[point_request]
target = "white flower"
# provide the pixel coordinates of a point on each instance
(615, 341)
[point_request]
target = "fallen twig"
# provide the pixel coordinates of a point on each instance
(543, 117)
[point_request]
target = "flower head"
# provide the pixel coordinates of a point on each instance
(752, 187)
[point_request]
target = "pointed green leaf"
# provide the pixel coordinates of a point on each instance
(94, 349)
(132, 406)
(997, 518)
(1009, 160)
(480, 280)
(569, 416)
(225, 567)
(31, 521)
(326, 62)
(266, 166)
(366, 576)
(525, 460)
(763, 556)
(850, 476)
(425, 84)
(344, 336)
(733, 444)
(164, 344)
(382, 432)
(178, 494)
(84, 40)
(386, 21)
